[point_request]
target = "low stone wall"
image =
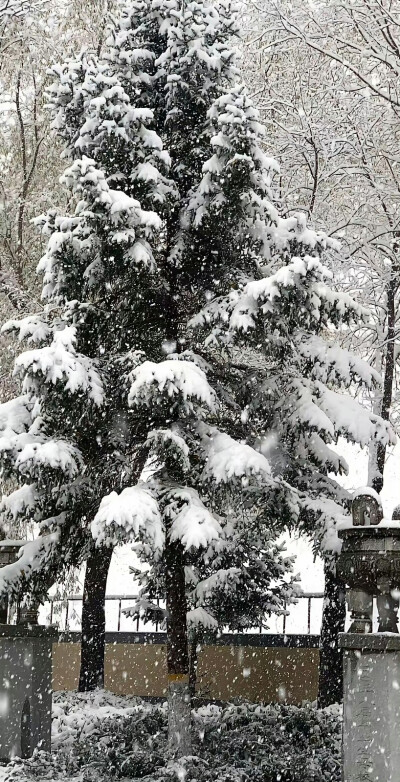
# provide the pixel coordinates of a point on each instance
(255, 667)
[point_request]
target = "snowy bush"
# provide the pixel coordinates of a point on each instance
(99, 736)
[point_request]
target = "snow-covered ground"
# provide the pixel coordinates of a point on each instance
(98, 737)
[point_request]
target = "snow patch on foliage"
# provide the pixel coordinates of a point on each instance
(229, 459)
(331, 363)
(33, 328)
(353, 421)
(124, 517)
(172, 380)
(19, 501)
(192, 523)
(199, 617)
(32, 558)
(60, 362)
(15, 417)
(53, 454)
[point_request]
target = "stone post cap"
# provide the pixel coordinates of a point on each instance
(9, 550)
(370, 642)
(366, 508)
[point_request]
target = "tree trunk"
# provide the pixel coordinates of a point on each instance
(193, 660)
(179, 704)
(387, 391)
(93, 620)
(331, 659)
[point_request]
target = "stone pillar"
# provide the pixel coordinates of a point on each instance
(9, 552)
(25, 689)
(371, 707)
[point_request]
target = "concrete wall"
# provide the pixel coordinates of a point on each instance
(233, 668)
(25, 690)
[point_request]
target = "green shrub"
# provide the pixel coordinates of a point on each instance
(235, 743)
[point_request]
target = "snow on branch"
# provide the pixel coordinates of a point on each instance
(51, 454)
(60, 362)
(223, 578)
(171, 380)
(333, 364)
(168, 443)
(267, 295)
(33, 557)
(322, 455)
(353, 421)
(15, 417)
(146, 610)
(193, 524)
(329, 515)
(261, 296)
(199, 617)
(229, 459)
(33, 328)
(124, 517)
(10, 9)
(304, 408)
(84, 176)
(336, 304)
(20, 501)
(295, 228)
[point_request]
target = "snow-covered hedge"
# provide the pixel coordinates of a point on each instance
(100, 737)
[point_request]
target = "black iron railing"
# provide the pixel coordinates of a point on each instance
(60, 611)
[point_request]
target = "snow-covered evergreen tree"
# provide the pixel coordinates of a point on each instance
(99, 262)
(186, 323)
(66, 436)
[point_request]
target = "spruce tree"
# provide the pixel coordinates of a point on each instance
(187, 325)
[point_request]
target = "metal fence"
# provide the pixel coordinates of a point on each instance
(303, 617)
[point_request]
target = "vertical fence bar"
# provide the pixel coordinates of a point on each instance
(66, 615)
(309, 616)
(119, 615)
(51, 610)
(284, 619)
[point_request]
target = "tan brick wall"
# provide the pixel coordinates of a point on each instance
(258, 674)
(66, 662)
(136, 669)
(268, 674)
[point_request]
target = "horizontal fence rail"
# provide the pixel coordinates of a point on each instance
(303, 617)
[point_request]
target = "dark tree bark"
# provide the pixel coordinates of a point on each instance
(193, 660)
(93, 620)
(331, 658)
(389, 365)
(179, 712)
